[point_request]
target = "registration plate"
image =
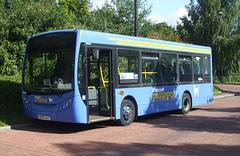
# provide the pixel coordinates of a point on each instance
(44, 117)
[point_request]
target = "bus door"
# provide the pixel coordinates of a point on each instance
(100, 84)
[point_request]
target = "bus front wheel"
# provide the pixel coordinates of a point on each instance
(186, 103)
(127, 113)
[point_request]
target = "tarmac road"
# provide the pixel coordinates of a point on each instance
(211, 129)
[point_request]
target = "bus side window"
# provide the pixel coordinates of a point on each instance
(128, 66)
(185, 68)
(150, 68)
(169, 74)
(198, 68)
(207, 69)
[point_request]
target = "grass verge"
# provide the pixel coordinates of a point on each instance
(217, 91)
(11, 109)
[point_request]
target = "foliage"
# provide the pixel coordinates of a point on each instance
(235, 78)
(162, 31)
(78, 10)
(205, 25)
(11, 109)
(117, 16)
(20, 19)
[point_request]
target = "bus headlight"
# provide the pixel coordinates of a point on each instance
(26, 101)
(66, 104)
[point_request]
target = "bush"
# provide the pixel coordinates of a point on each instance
(20, 19)
(11, 108)
(235, 78)
(226, 79)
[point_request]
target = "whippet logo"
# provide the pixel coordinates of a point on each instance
(196, 90)
(50, 100)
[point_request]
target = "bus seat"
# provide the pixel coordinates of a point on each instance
(148, 80)
(187, 68)
(196, 68)
(181, 70)
(92, 96)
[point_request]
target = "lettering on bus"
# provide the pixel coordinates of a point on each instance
(39, 99)
(162, 95)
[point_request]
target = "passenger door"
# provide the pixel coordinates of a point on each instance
(99, 84)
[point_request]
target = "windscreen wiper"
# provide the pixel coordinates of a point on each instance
(55, 91)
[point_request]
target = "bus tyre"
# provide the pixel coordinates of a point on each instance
(127, 113)
(186, 103)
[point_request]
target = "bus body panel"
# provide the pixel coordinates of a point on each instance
(63, 109)
(149, 99)
(163, 98)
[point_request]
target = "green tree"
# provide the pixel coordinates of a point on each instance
(20, 19)
(237, 42)
(162, 31)
(205, 25)
(117, 16)
(78, 10)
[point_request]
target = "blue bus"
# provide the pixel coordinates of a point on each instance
(81, 76)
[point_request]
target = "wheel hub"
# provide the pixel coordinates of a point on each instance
(127, 112)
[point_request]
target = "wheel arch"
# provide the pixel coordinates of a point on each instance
(189, 93)
(135, 105)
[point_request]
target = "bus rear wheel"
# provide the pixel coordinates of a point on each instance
(186, 103)
(127, 113)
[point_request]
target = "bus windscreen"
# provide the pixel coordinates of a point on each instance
(49, 63)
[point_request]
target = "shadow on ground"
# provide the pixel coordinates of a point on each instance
(61, 128)
(229, 124)
(170, 120)
(103, 148)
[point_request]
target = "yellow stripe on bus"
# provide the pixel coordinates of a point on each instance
(161, 46)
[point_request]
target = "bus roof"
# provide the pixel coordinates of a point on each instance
(139, 42)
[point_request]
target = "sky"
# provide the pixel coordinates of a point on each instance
(167, 11)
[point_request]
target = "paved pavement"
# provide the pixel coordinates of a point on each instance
(211, 129)
(229, 88)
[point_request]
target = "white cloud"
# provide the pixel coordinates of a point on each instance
(180, 13)
(98, 3)
(157, 19)
(171, 19)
